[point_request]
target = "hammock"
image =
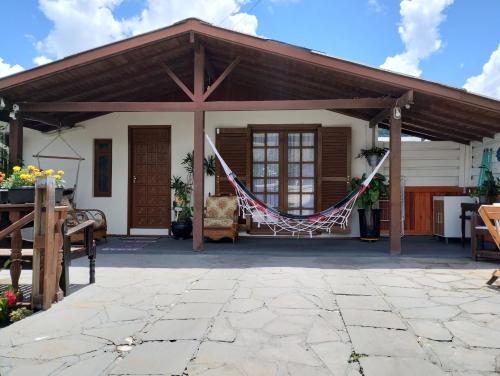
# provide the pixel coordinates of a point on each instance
(279, 222)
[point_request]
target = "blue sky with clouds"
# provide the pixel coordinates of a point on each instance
(456, 42)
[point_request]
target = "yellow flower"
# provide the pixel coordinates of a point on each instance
(57, 177)
(38, 173)
(24, 176)
(31, 168)
(49, 172)
(60, 172)
(16, 168)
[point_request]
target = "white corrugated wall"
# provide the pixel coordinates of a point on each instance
(477, 154)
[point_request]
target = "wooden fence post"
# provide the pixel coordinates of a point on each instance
(48, 241)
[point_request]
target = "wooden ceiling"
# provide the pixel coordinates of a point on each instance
(134, 70)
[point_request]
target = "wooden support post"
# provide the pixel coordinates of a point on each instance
(16, 140)
(395, 180)
(199, 149)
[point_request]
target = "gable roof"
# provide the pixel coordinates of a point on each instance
(134, 70)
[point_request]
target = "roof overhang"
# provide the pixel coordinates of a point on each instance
(154, 67)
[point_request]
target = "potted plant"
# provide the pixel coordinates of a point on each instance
(182, 226)
(3, 191)
(369, 213)
(21, 184)
(372, 155)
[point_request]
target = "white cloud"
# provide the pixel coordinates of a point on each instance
(8, 69)
(488, 81)
(83, 24)
(419, 32)
(375, 5)
(41, 60)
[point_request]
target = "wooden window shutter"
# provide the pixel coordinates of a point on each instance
(233, 145)
(334, 167)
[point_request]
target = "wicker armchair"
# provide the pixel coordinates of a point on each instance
(221, 217)
(78, 216)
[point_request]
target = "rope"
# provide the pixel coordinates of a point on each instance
(279, 222)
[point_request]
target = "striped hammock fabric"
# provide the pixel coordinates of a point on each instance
(279, 222)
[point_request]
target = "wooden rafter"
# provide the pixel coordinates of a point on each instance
(221, 78)
(179, 82)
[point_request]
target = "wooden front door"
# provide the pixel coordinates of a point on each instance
(149, 178)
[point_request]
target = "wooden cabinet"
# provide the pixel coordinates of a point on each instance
(446, 216)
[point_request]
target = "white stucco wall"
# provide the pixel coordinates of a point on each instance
(477, 155)
(115, 126)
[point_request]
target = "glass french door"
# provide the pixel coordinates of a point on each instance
(284, 169)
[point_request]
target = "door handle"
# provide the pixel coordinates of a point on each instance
(134, 178)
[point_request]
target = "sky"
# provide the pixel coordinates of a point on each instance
(455, 42)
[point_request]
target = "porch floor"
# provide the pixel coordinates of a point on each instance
(267, 307)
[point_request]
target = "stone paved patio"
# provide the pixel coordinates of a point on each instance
(299, 311)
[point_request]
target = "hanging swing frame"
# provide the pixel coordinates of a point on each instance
(77, 157)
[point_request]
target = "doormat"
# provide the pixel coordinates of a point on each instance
(130, 244)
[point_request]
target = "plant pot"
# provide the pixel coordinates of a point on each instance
(369, 224)
(483, 200)
(4, 196)
(182, 229)
(373, 160)
(24, 195)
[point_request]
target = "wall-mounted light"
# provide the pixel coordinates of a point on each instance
(2, 104)
(397, 113)
(15, 109)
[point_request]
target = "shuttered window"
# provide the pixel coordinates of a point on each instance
(334, 165)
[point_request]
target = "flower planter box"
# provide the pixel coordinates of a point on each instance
(25, 195)
(4, 196)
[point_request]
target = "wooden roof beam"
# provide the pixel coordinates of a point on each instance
(315, 104)
(48, 120)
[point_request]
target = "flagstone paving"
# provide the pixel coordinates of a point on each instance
(202, 314)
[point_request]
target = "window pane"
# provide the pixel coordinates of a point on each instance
(308, 155)
(308, 201)
(293, 185)
(308, 185)
(258, 155)
(293, 170)
(104, 173)
(294, 212)
(273, 169)
(293, 155)
(272, 155)
(272, 139)
(258, 185)
(258, 170)
(104, 146)
(273, 185)
(293, 201)
(259, 139)
(294, 139)
(272, 200)
(308, 170)
(260, 197)
(307, 139)
(307, 212)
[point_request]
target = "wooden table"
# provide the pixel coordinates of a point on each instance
(16, 212)
(467, 207)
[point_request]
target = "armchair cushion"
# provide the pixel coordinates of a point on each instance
(221, 207)
(218, 222)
